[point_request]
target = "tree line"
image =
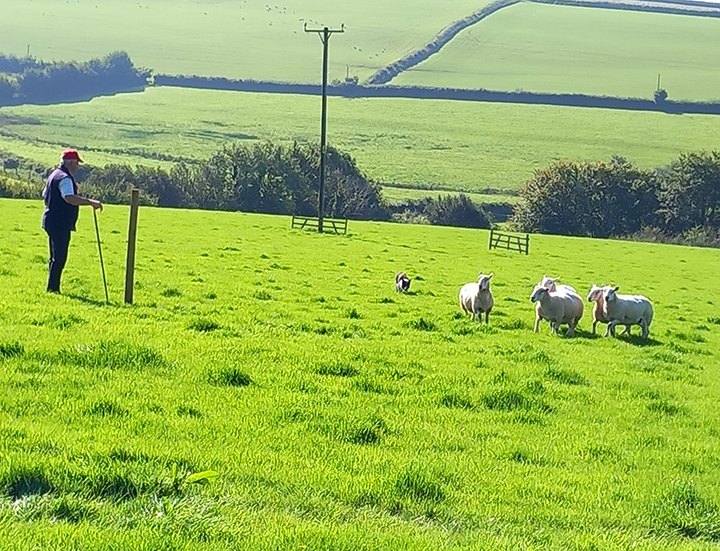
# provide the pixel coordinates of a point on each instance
(29, 80)
(679, 202)
(261, 177)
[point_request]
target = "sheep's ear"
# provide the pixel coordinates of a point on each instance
(491, 274)
(616, 289)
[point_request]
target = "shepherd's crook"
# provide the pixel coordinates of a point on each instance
(102, 265)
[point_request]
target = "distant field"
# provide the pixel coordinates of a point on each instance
(544, 48)
(337, 414)
(396, 194)
(230, 38)
(527, 46)
(464, 145)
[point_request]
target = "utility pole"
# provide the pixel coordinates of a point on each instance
(324, 34)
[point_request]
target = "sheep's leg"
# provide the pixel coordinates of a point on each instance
(627, 331)
(487, 317)
(607, 331)
(571, 328)
(593, 326)
(554, 326)
(537, 324)
(645, 329)
(611, 327)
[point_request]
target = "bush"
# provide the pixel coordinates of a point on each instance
(445, 210)
(690, 193)
(599, 199)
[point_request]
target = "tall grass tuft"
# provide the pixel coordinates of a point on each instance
(682, 511)
(566, 376)
(454, 400)
(421, 324)
(368, 431)
(113, 355)
(18, 481)
(107, 408)
(11, 350)
(228, 376)
(66, 508)
(203, 325)
(663, 407)
(417, 483)
(60, 321)
(510, 400)
(171, 292)
(338, 369)
(513, 325)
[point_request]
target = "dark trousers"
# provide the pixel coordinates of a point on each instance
(59, 243)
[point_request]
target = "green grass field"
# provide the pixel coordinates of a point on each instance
(230, 38)
(337, 414)
(561, 49)
(463, 145)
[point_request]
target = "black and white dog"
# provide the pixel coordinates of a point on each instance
(402, 283)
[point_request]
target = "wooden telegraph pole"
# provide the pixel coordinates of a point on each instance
(132, 235)
(324, 34)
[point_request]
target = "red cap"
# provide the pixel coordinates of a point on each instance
(71, 155)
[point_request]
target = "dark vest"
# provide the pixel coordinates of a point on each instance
(59, 215)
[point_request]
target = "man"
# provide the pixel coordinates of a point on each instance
(61, 213)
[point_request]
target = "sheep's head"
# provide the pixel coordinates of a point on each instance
(484, 281)
(539, 293)
(549, 282)
(610, 293)
(596, 293)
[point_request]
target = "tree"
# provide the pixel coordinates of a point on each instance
(660, 96)
(690, 194)
(596, 199)
(7, 90)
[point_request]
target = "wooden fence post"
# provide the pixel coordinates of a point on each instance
(132, 235)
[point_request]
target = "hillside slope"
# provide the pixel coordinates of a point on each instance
(324, 410)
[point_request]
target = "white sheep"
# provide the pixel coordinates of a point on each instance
(550, 283)
(402, 282)
(596, 296)
(557, 308)
(476, 298)
(627, 310)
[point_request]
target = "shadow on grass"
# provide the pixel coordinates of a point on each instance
(90, 301)
(635, 340)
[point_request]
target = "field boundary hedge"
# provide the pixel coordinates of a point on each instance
(421, 92)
